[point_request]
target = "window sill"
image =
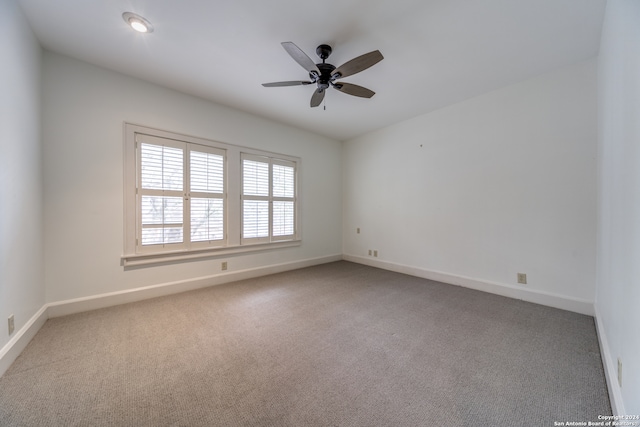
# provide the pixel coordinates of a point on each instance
(133, 260)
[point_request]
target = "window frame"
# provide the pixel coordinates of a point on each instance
(270, 198)
(233, 242)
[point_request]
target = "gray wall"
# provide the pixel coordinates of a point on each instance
(477, 192)
(618, 284)
(22, 291)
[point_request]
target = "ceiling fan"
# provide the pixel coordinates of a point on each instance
(325, 75)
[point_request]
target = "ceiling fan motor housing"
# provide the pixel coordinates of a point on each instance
(325, 78)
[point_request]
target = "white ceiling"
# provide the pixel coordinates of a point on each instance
(437, 52)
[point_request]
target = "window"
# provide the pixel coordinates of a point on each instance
(268, 199)
(188, 197)
(180, 195)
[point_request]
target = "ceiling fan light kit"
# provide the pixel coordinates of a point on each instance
(324, 75)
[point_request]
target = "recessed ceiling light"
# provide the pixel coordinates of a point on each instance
(137, 22)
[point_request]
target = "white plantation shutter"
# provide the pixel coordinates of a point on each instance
(283, 219)
(161, 220)
(268, 199)
(283, 207)
(255, 198)
(255, 216)
(255, 177)
(207, 219)
(162, 167)
(161, 193)
(181, 195)
(207, 195)
(283, 180)
(207, 172)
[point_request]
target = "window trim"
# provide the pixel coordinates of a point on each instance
(233, 219)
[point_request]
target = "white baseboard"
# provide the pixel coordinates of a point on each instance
(77, 305)
(10, 352)
(610, 368)
(17, 344)
(539, 297)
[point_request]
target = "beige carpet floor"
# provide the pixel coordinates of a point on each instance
(339, 344)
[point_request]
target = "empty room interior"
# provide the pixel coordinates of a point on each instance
(198, 228)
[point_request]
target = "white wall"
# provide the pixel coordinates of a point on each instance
(484, 189)
(84, 108)
(21, 267)
(618, 283)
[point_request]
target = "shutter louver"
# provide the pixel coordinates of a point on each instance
(161, 167)
(255, 215)
(255, 178)
(207, 219)
(283, 218)
(207, 172)
(283, 181)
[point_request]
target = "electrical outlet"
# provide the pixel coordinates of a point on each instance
(358, 230)
(522, 278)
(224, 265)
(619, 372)
(375, 253)
(369, 252)
(12, 325)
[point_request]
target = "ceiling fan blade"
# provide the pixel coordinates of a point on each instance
(317, 97)
(300, 57)
(354, 90)
(290, 83)
(358, 64)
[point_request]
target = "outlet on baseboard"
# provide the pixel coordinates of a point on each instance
(619, 372)
(369, 252)
(224, 265)
(375, 253)
(12, 325)
(522, 278)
